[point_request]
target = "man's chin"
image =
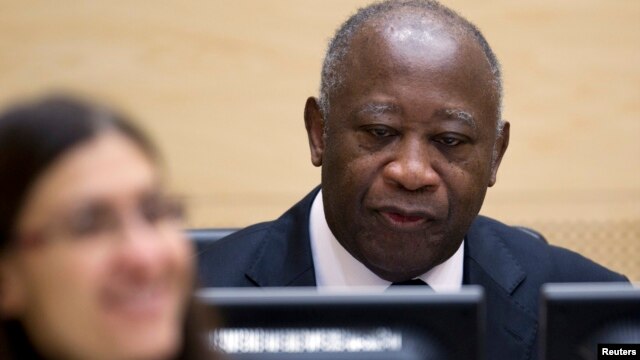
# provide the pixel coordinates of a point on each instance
(398, 272)
(399, 276)
(404, 264)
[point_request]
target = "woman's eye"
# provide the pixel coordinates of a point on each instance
(89, 221)
(157, 209)
(151, 210)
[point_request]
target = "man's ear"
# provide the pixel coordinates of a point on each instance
(502, 142)
(314, 123)
(11, 290)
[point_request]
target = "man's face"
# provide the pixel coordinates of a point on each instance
(408, 151)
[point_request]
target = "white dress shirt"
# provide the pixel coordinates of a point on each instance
(335, 268)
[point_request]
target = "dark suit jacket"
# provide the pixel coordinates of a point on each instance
(509, 263)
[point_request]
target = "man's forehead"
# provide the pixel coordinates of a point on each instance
(412, 24)
(419, 38)
(420, 49)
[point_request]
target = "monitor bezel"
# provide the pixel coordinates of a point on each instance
(453, 315)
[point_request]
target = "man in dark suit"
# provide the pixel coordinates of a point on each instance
(409, 135)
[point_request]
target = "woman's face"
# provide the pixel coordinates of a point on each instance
(101, 268)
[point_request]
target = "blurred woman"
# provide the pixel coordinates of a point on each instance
(93, 261)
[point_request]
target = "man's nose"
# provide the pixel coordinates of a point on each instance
(412, 166)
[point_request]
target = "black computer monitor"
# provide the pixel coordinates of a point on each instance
(304, 324)
(575, 318)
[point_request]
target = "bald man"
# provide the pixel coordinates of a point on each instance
(409, 135)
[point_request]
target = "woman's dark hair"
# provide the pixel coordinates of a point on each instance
(33, 135)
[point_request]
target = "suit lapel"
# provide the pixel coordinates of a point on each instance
(511, 326)
(284, 257)
(488, 251)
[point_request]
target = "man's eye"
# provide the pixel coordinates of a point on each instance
(449, 141)
(381, 132)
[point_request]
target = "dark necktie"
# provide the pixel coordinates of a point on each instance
(414, 282)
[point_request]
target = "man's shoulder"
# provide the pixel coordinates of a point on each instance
(223, 262)
(238, 241)
(226, 261)
(289, 224)
(540, 259)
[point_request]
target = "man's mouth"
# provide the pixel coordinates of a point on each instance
(404, 218)
(400, 218)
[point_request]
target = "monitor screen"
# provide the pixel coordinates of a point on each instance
(576, 318)
(304, 324)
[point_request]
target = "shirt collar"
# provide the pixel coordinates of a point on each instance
(336, 268)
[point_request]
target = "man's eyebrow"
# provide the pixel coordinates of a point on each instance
(460, 115)
(378, 108)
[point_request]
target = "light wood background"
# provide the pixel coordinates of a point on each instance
(221, 86)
